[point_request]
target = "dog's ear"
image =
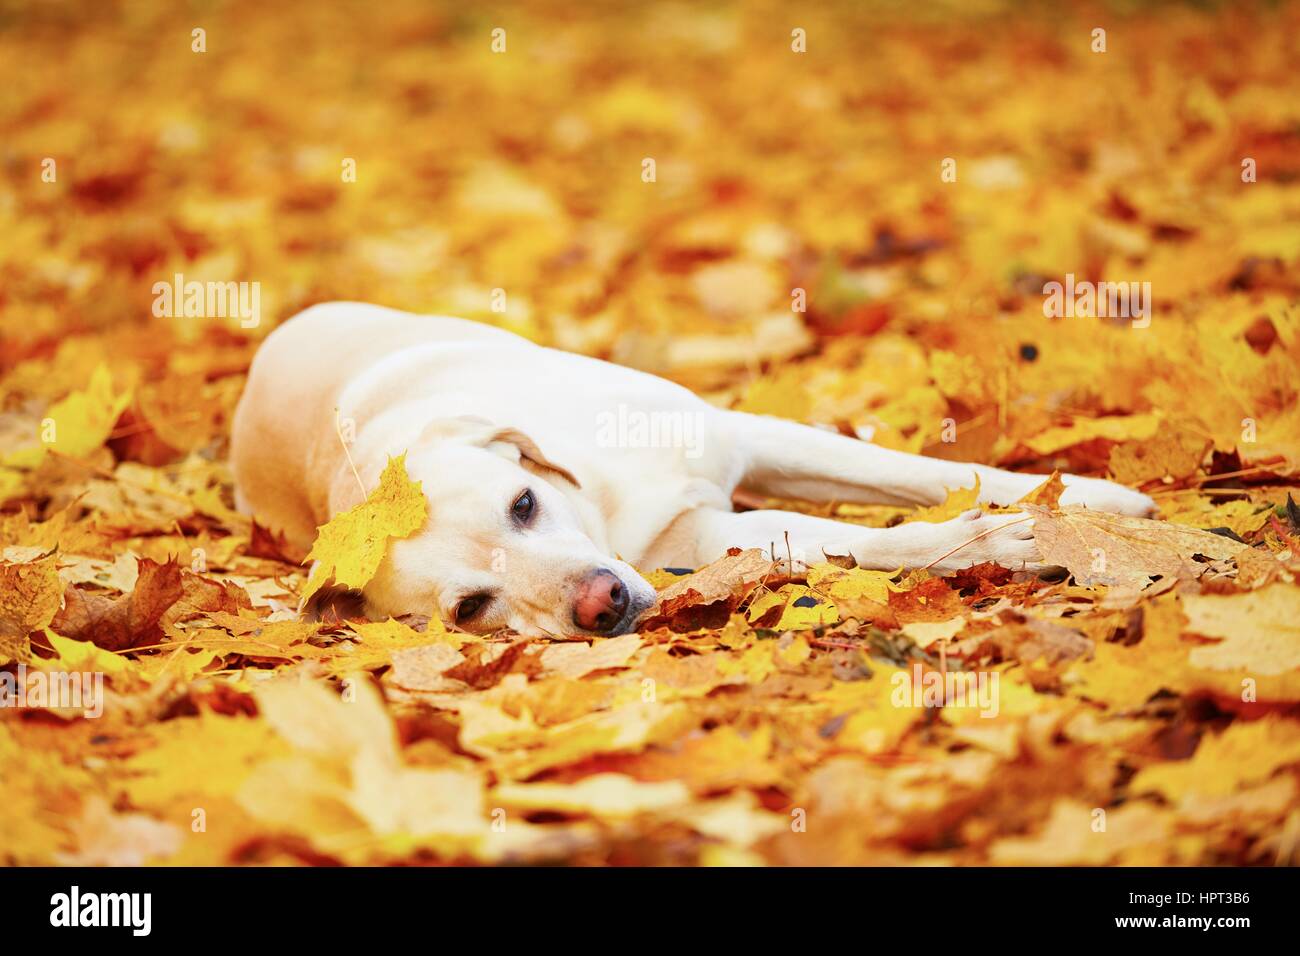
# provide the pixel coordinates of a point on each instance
(481, 431)
(528, 450)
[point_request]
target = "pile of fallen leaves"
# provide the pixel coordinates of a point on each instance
(796, 252)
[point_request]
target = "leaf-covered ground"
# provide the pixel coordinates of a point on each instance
(798, 252)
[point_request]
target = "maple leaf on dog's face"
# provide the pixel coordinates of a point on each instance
(350, 546)
(1102, 548)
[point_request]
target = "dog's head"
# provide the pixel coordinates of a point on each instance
(505, 544)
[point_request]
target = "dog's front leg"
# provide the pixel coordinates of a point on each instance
(788, 460)
(798, 540)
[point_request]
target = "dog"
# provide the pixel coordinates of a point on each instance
(550, 477)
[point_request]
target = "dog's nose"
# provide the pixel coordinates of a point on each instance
(601, 602)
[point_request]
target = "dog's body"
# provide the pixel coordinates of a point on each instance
(547, 471)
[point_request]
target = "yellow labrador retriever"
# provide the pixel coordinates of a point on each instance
(549, 475)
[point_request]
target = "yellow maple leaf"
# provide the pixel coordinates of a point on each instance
(78, 424)
(959, 500)
(1192, 509)
(1247, 752)
(1116, 428)
(1172, 452)
(85, 656)
(381, 641)
(351, 545)
(875, 723)
(798, 651)
(755, 665)
(1048, 494)
(801, 607)
(852, 583)
(1125, 677)
(207, 756)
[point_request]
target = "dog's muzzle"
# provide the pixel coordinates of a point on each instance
(602, 604)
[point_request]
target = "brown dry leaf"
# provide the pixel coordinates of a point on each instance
(1258, 568)
(30, 596)
(273, 546)
(209, 596)
(693, 675)
(127, 621)
(931, 601)
(482, 669)
(1101, 548)
(707, 597)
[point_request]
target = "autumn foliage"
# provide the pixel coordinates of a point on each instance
(798, 251)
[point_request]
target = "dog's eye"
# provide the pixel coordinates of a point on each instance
(467, 608)
(523, 507)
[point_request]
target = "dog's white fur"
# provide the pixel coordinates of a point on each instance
(483, 414)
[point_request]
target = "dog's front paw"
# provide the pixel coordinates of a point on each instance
(976, 537)
(1102, 495)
